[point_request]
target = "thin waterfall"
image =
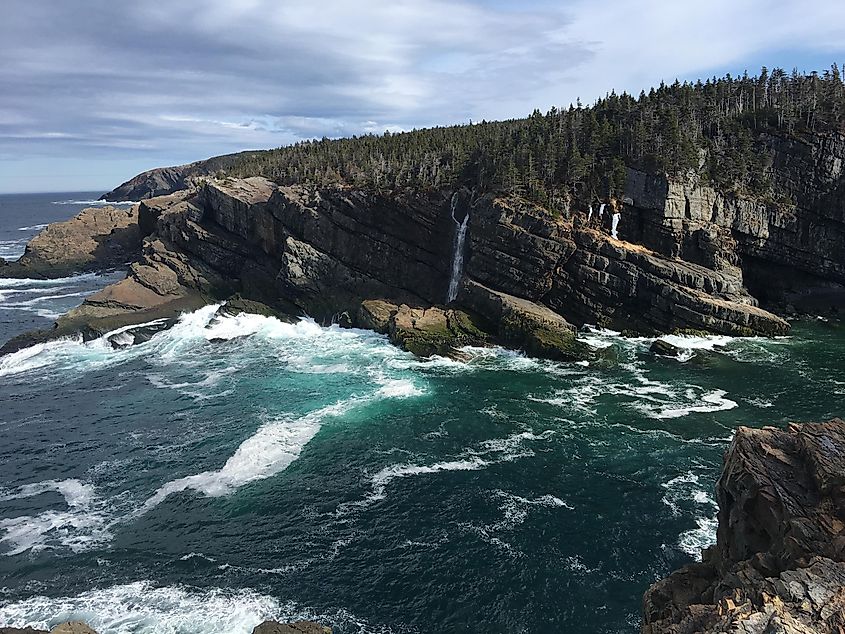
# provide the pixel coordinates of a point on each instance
(458, 255)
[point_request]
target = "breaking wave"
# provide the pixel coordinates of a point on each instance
(485, 454)
(144, 608)
(96, 203)
(81, 526)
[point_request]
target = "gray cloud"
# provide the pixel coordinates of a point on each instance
(107, 86)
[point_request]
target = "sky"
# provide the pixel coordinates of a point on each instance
(93, 92)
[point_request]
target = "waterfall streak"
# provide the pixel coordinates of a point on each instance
(458, 255)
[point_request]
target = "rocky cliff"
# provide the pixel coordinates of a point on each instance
(788, 252)
(779, 561)
(528, 277)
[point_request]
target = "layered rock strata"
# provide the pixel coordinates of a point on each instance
(787, 251)
(529, 277)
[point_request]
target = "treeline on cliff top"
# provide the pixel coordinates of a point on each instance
(574, 155)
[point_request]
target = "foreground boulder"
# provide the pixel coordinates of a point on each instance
(779, 561)
(427, 331)
(523, 324)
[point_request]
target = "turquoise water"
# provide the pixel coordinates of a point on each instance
(190, 485)
(236, 469)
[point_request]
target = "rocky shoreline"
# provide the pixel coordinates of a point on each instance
(528, 279)
(779, 561)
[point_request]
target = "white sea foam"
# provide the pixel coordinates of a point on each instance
(144, 608)
(37, 356)
(267, 452)
(515, 508)
(487, 453)
(82, 525)
(693, 541)
(691, 342)
(684, 495)
(33, 227)
(714, 401)
(96, 203)
(32, 304)
(141, 608)
(272, 448)
(14, 282)
(399, 388)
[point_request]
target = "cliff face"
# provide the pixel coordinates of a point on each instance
(526, 274)
(779, 561)
(788, 252)
(323, 252)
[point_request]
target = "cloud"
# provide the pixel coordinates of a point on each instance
(113, 83)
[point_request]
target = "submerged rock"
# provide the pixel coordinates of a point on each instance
(665, 349)
(779, 561)
(237, 305)
(141, 333)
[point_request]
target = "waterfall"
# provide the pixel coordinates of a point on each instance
(458, 255)
(615, 222)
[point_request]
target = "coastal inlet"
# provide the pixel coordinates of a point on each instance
(237, 468)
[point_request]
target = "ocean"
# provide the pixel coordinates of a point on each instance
(236, 469)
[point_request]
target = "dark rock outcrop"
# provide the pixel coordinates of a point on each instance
(779, 561)
(664, 348)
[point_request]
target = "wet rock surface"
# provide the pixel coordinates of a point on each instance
(779, 561)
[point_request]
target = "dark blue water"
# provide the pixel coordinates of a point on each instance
(236, 469)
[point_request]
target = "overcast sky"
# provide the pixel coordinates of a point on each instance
(94, 91)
